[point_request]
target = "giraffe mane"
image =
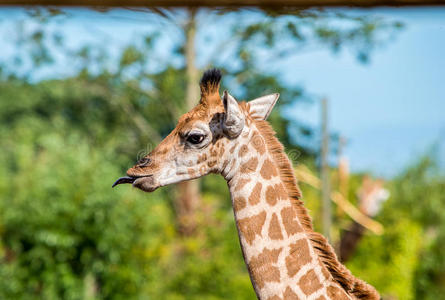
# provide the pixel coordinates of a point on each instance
(324, 250)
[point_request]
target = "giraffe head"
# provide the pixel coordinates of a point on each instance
(204, 139)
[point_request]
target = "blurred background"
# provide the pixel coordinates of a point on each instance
(85, 92)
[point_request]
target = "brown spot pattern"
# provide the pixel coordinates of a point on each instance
(251, 226)
(262, 269)
(289, 294)
(268, 170)
(225, 163)
(163, 151)
(191, 171)
(299, 255)
(309, 283)
(211, 163)
(241, 183)
(239, 203)
(249, 166)
(321, 298)
(202, 158)
(259, 144)
(325, 272)
(274, 228)
(271, 195)
(275, 297)
(254, 197)
(232, 149)
(291, 225)
(213, 152)
(281, 191)
(336, 293)
(243, 150)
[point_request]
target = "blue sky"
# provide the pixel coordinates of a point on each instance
(390, 110)
(393, 109)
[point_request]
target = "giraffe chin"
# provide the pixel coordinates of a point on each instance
(146, 184)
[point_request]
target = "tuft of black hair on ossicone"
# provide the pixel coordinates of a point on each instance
(210, 81)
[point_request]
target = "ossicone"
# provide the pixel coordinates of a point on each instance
(210, 82)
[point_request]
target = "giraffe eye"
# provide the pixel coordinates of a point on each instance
(195, 138)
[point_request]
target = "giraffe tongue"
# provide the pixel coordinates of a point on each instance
(125, 179)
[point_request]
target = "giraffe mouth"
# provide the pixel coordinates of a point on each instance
(128, 179)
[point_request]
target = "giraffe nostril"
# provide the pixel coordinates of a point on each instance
(144, 162)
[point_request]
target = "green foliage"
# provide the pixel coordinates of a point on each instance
(290, 32)
(393, 255)
(420, 192)
(59, 220)
(130, 56)
(410, 251)
(65, 234)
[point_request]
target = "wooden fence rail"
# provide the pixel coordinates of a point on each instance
(269, 4)
(303, 174)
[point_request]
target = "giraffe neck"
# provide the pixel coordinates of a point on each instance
(279, 255)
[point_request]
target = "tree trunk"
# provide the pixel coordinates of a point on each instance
(90, 287)
(188, 193)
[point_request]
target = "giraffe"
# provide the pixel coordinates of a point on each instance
(286, 259)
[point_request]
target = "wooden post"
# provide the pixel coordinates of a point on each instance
(189, 197)
(343, 172)
(325, 188)
(283, 5)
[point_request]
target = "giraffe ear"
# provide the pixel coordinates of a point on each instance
(260, 108)
(233, 118)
